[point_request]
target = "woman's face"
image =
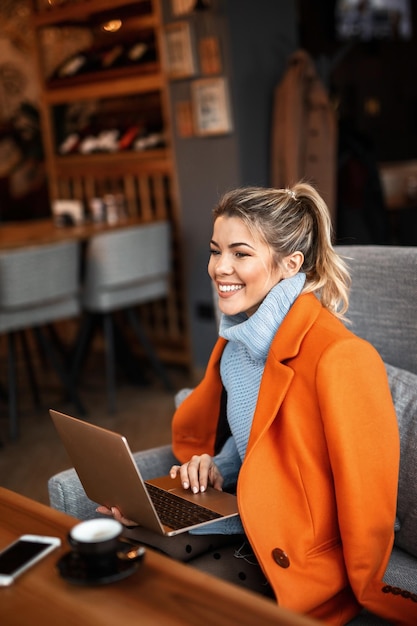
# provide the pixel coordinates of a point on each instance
(240, 266)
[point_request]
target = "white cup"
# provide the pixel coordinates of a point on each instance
(95, 536)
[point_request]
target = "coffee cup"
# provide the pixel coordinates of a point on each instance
(96, 541)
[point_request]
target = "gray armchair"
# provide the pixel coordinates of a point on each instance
(383, 311)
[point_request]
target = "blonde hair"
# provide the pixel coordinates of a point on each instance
(290, 220)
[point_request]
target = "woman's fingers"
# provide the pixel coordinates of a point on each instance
(173, 472)
(114, 511)
(104, 510)
(198, 473)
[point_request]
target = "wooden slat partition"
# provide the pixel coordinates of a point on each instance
(148, 192)
(144, 206)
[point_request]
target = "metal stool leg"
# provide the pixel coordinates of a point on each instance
(29, 369)
(150, 352)
(65, 377)
(82, 342)
(125, 357)
(110, 362)
(12, 395)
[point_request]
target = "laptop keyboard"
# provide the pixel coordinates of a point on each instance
(176, 512)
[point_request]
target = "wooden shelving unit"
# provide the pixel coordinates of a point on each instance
(146, 178)
(85, 10)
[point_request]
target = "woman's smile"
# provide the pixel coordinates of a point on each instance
(228, 289)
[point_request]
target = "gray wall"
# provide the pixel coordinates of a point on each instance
(262, 35)
(256, 39)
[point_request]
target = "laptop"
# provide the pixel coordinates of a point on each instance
(110, 477)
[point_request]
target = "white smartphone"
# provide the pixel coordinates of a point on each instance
(17, 557)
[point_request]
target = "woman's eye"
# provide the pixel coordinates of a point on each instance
(214, 252)
(240, 255)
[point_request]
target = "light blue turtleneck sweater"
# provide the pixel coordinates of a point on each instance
(241, 368)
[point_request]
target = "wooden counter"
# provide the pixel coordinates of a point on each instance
(37, 232)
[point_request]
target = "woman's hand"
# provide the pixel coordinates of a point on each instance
(114, 511)
(198, 473)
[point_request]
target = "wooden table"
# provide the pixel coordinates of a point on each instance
(161, 592)
(37, 232)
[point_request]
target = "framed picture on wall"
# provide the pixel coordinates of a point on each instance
(184, 118)
(179, 50)
(211, 106)
(182, 7)
(209, 54)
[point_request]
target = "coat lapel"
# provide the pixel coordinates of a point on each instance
(277, 374)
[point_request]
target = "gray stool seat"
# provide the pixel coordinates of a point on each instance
(123, 269)
(39, 285)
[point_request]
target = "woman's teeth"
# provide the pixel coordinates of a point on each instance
(225, 288)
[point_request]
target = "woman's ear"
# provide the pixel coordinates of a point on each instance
(292, 264)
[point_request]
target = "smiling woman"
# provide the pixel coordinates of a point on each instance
(285, 365)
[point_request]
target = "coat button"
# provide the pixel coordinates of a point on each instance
(280, 557)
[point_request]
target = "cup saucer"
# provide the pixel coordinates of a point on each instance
(73, 567)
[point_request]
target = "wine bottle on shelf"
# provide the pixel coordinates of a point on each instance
(90, 60)
(149, 141)
(128, 137)
(74, 137)
(111, 57)
(136, 52)
(104, 141)
(140, 52)
(108, 140)
(70, 144)
(72, 66)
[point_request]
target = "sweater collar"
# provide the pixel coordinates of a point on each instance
(257, 332)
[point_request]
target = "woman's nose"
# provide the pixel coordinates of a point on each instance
(223, 265)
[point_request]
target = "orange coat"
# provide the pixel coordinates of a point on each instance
(317, 489)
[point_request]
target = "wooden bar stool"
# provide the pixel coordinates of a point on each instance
(123, 269)
(39, 285)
